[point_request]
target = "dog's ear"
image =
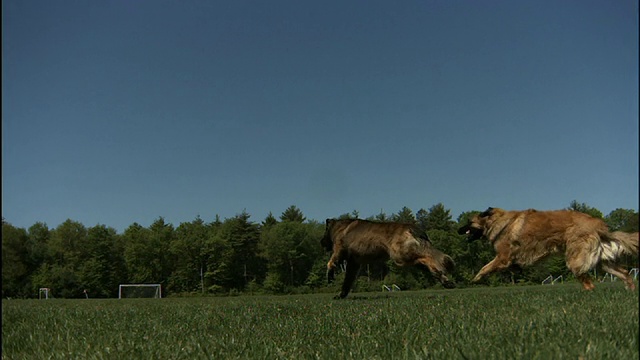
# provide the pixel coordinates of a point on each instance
(487, 212)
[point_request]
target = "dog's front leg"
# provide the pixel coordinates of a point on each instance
(331, 266)
(494, 265)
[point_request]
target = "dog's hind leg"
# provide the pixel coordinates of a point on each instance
(619, 272)
(497, 264)
(582, 256)
(352, 272)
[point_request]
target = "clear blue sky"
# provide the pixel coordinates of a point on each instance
(115, 112)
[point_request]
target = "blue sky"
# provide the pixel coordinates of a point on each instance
(115, 112)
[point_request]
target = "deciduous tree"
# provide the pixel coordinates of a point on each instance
(584, 208)
(15, 269)
(188, 250)
(623, 220)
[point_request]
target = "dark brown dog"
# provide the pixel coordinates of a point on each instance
(361, 241)
(525, 237)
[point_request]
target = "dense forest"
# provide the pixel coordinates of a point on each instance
(237, 255)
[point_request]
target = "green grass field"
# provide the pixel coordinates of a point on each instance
(517, 322)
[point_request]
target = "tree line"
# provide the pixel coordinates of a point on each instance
(236, 255)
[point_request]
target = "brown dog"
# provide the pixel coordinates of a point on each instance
(525, 237)
(361, 241)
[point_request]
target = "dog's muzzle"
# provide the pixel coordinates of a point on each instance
(472, 233)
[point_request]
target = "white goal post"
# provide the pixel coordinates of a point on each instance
(393, 287)
(126, 291)
(44, 293)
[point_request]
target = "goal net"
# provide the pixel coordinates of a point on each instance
(128, 291)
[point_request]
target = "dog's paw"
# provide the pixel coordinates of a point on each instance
(449, 285)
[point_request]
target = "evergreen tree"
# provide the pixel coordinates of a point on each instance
(421, 219)
(439, 218)
(405, 215)
(292, 214)
(269, 221)
(382, 217)
(352, 215)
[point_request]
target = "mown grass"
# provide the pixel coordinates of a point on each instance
(532, 322)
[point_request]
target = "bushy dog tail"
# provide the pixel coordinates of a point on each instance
(617, 243)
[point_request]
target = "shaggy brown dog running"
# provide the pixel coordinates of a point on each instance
(361, 241)
(525, 237)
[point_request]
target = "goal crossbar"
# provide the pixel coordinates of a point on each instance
(157, 293)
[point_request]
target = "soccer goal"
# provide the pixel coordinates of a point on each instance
(128, 291)
(551, 280)
(393, 287)
(44, 293)
(609, 277)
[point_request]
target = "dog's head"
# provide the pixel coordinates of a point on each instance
(476, 226)
(327, 241)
